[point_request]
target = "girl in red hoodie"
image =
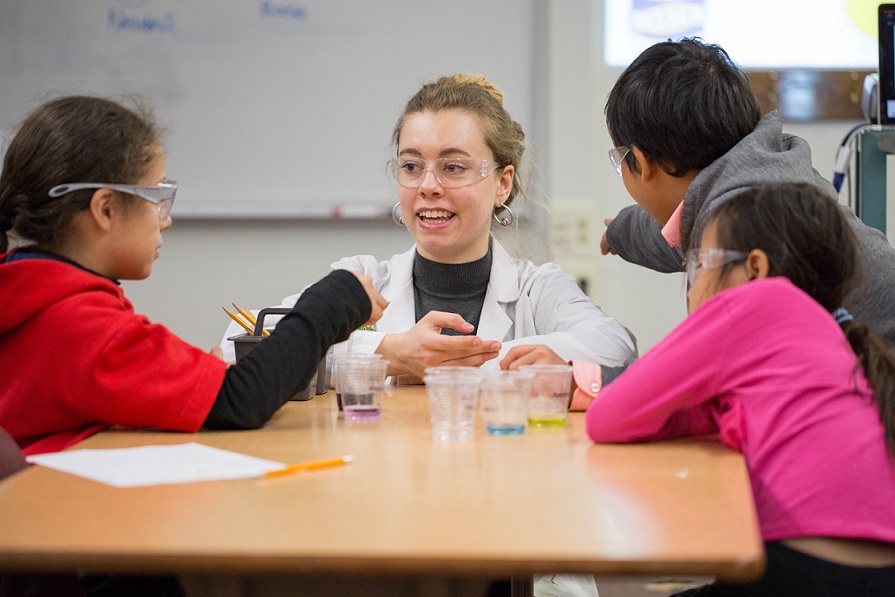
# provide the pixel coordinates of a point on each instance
(84, 182)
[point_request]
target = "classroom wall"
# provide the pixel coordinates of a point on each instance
(208, 264)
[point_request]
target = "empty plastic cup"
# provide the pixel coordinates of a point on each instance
(453, 400)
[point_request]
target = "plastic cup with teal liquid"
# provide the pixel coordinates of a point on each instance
(505, 396)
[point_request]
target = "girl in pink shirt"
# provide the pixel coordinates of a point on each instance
(771, 365)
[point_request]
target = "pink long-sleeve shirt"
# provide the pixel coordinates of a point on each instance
(769, 371)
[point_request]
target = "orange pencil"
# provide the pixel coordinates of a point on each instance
(310, 465)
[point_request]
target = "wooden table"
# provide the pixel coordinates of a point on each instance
(409, 507)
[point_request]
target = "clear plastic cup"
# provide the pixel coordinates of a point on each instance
(453, 400)
(338, 360)
(505, 396)
(453, 370)
(548, 403)
(362, 386)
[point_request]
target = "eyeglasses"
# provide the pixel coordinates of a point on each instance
(161, 194)
(710, 259)
(616, 155)
(449, 172)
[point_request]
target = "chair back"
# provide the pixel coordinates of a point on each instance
(12, 460)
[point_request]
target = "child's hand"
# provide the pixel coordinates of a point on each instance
(217, 351)
(376, 300)
(530, 354)
(605, 249)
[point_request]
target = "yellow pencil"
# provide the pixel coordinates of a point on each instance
(247, 314)
(310, 465)
(246, 325)
(239, 320)
(250, 316)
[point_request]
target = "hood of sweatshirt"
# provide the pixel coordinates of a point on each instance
(31, 282)
(764, 155)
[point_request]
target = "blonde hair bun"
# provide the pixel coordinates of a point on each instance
(479, 80)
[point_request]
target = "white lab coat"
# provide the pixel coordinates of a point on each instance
(524, 304)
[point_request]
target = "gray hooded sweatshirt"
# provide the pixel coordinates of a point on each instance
(764, 156)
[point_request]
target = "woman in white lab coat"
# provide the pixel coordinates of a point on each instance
(457, 297)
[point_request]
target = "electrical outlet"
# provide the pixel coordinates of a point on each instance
(574, 228)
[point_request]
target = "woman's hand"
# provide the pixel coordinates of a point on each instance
(424, 345)
(376, 300)
(535, 354)
(530, 354)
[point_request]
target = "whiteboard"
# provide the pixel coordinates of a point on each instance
(273, 108)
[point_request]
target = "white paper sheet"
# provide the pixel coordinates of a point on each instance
(156, 465)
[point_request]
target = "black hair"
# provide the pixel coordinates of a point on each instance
(684, 104)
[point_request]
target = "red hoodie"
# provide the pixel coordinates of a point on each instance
(75, 359)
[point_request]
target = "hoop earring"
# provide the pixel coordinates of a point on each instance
(505, 220)
(399, 220)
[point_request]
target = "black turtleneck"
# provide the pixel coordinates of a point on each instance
(452, 287)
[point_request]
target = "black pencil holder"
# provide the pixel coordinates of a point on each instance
(243, 343)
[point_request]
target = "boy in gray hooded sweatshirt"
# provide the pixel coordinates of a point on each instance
(690, 135)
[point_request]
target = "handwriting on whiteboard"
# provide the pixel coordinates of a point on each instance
(283, 11)
(122, 20)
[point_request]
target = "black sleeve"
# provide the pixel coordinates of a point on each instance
(264, 379)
